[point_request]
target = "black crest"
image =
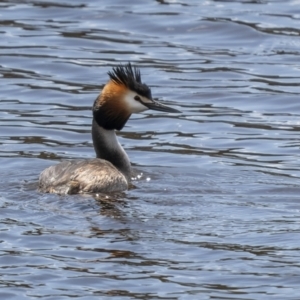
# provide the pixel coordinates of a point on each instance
(131, 77)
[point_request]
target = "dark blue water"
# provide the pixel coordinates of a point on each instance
(214, 211)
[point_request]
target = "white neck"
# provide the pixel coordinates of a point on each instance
(107, 147)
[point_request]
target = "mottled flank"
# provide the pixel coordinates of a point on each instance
(82, 176)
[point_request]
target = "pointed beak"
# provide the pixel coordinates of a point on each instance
(160, 107)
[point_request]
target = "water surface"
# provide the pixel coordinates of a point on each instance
(214, 212)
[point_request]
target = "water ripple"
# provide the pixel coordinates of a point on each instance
(213, 210)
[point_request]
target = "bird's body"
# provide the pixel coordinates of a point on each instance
(83, 176)
(110, 171)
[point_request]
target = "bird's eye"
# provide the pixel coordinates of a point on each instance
(137, 98)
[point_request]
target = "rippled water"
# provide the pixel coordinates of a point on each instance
(215, 214)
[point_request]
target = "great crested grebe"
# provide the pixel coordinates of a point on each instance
(122, 95)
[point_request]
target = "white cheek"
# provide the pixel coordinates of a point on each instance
(134, 105)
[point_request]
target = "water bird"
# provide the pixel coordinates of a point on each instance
(110, 171)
